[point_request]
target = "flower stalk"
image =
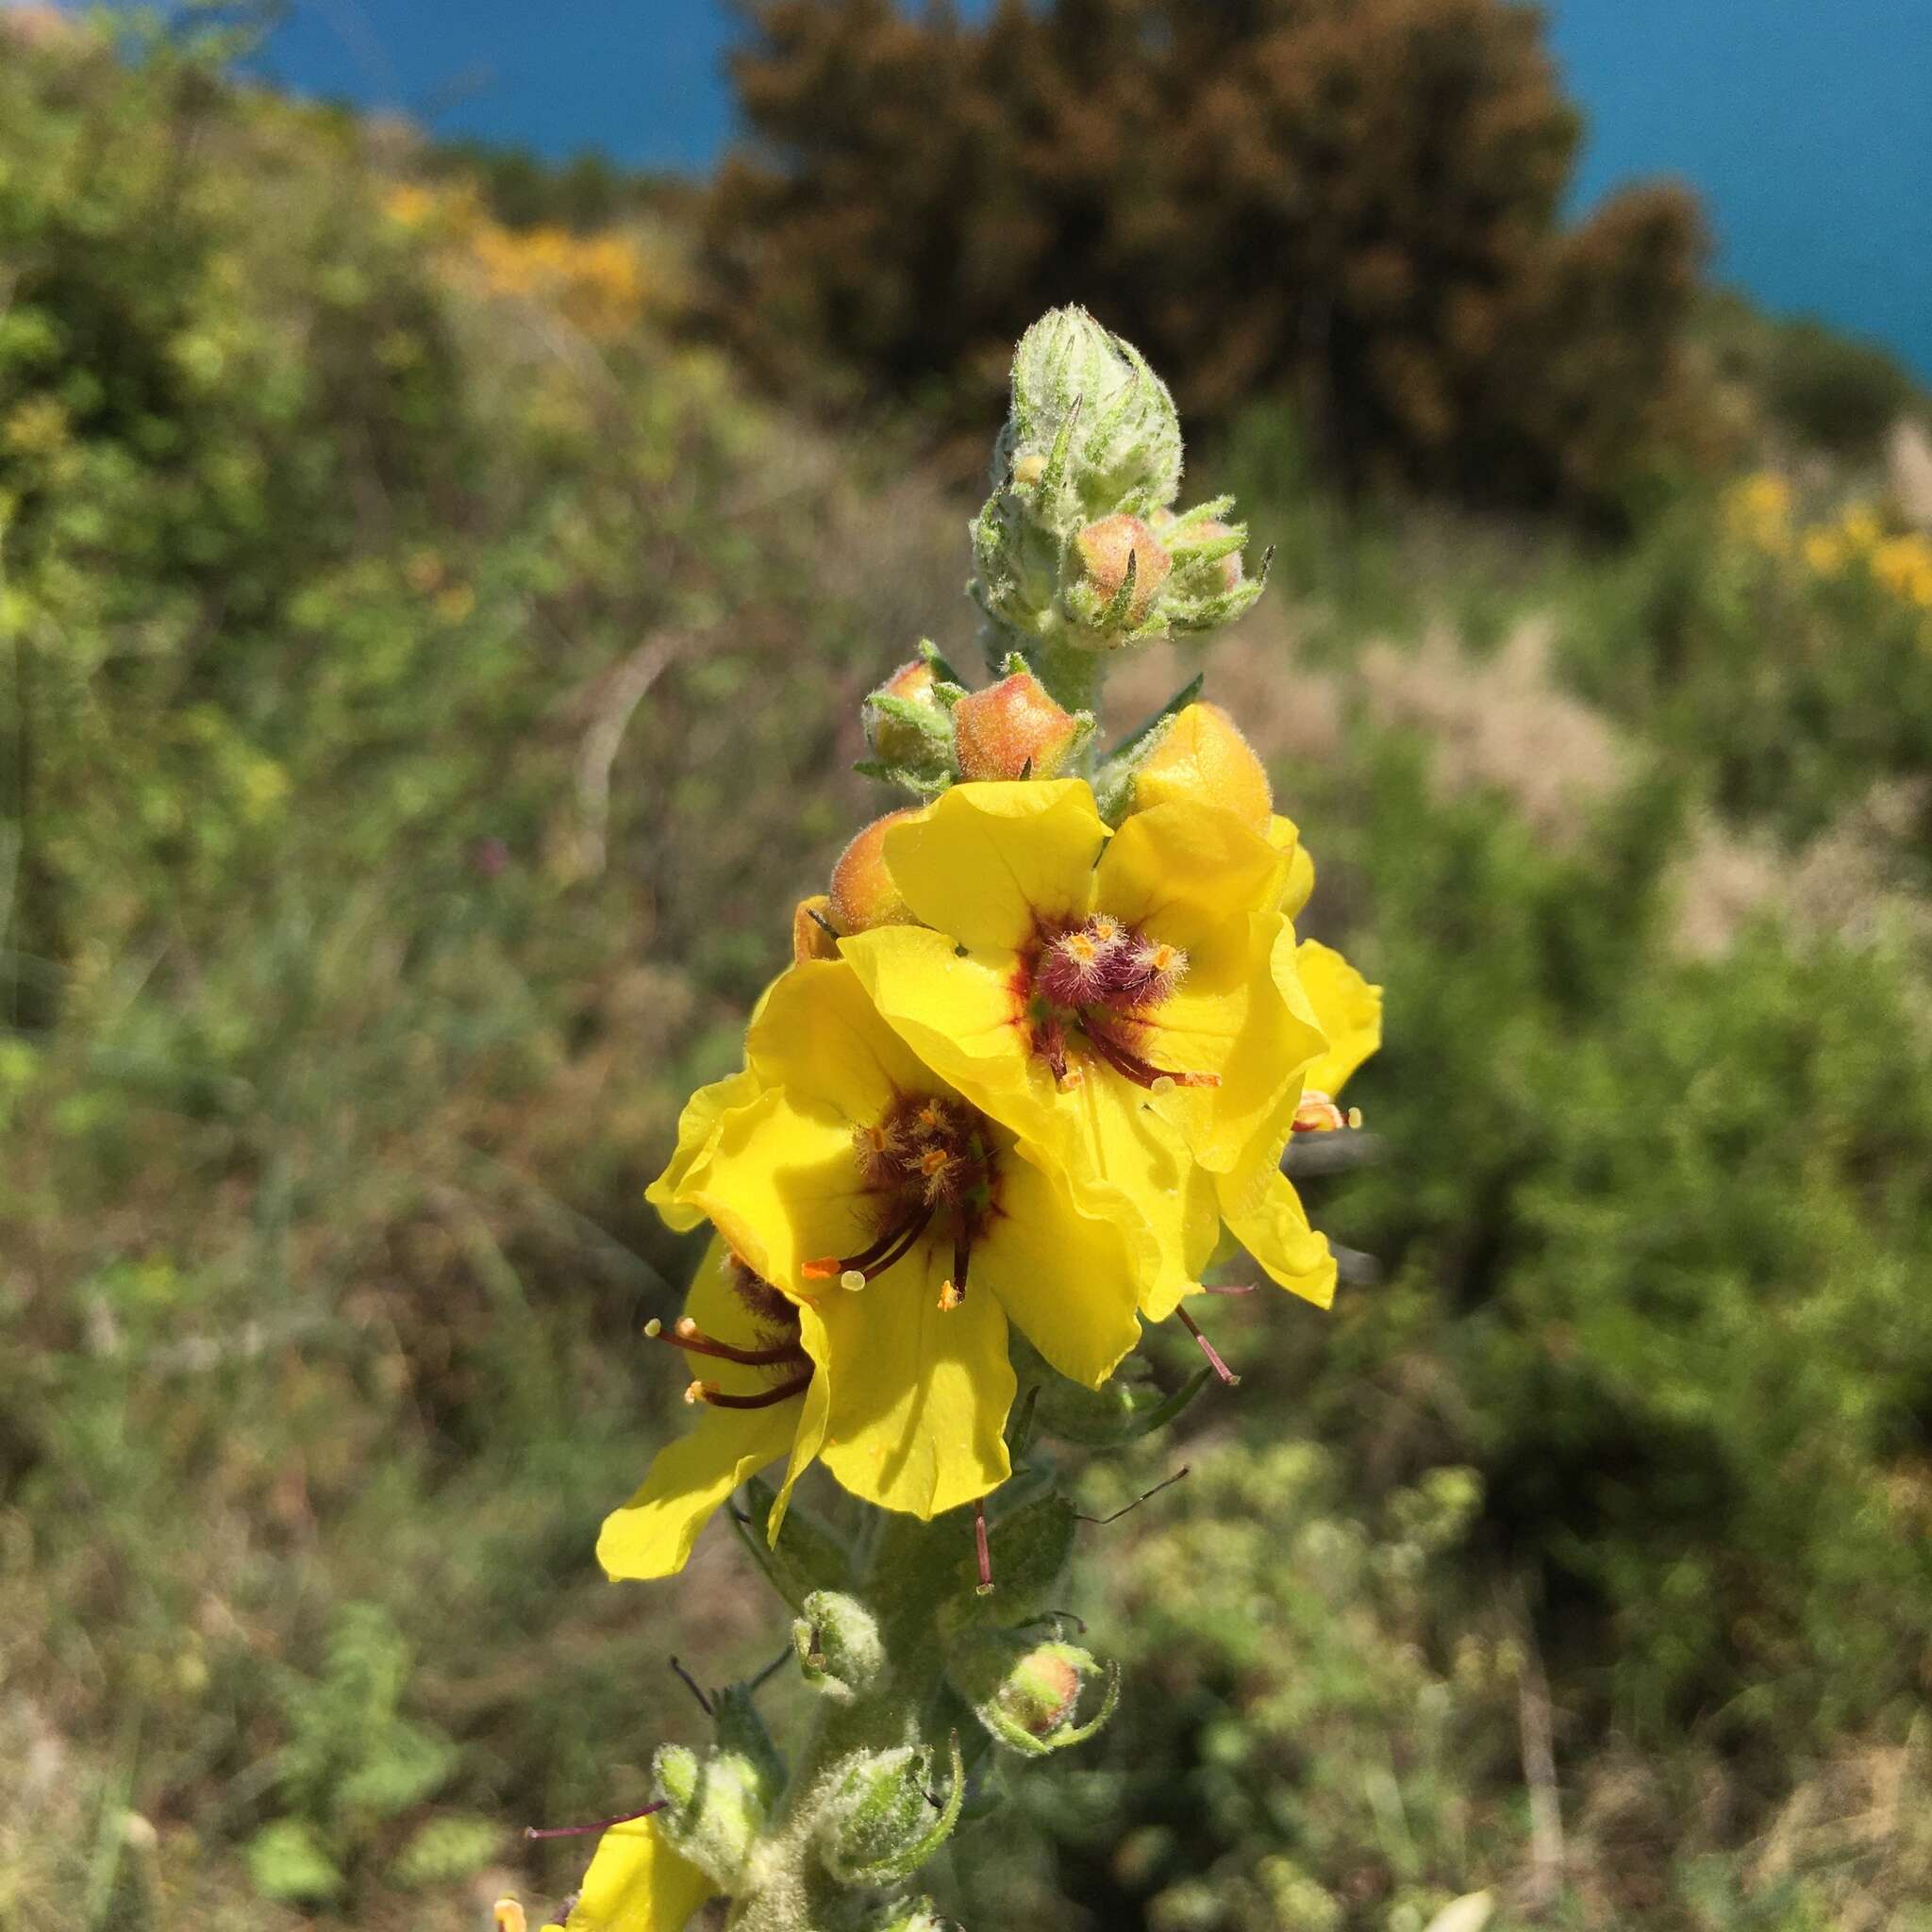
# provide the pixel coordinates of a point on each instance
(1048, 1039)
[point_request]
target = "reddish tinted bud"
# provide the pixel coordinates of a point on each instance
(813, 935)
(1042, 1689)
(899, 740)
(862, 892)
(1012, 730)
(1105, 548)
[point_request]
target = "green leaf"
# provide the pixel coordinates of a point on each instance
(286, 1861)
(445, 1851)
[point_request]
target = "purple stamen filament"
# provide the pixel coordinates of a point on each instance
(601, 1824)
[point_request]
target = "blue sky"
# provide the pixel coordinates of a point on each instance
(1807, 124)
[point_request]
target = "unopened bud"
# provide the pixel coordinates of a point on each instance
(1027, 1692)
(908, 726)
(880, 1825)
(1200, 758)
(1083, 389)
(1013, 729)
(813, 933)
(1043, 1688)
(863, 894)
(1107, 549)
(714, 1806)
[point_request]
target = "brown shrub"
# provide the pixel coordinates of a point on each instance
(1358, 201)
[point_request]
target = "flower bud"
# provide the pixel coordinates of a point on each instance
(909, 724)
(1042, 1689)
(1013, 729)
(1107, 549)
(1086, 397)
(1026, 1692)
(1203, 547)
(862, 894)
(714, 1808)
(837, 1644)
(1200, 758)
(879, 1824)
(813, 935)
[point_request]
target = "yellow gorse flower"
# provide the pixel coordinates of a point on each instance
(1128, 1004)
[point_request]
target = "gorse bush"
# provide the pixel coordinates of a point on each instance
(1358, 204)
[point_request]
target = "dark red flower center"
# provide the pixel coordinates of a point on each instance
(930, 1170)
(1095, 989)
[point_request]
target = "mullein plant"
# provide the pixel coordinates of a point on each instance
(1034, 1072)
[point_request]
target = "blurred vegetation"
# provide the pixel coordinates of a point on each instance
(428, 679)
(1353, 202)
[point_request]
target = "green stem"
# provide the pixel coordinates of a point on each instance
(1073, 678)
(912, 1568)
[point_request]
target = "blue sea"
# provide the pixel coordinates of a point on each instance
(1804, 125)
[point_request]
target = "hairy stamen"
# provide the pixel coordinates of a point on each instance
(687, 1335)
(1129, 1065)
(766, 1398)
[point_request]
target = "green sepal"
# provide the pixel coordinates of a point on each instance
(809, 1555)
(936, 661)
(921, 785)
(1113, 783)
(881, 1827)
(1179, 702)
(922, 718)
(1115, 1415)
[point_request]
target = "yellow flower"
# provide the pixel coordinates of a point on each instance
(1129, 1006)
(1759, 508)
(636, 1883)
(1261, 1205)
(1199, 756)
(904, 1227)
(756, 1378)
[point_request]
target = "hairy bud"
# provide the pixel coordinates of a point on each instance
(1199, 756)
(813, 933)
(1077, 549)
(862, 892)
(837, 1644)
(1076, 382)
(881, 1822)
(713, 1810)
(909, 725)
(1013, 729)
(1026, 1692)
(1122, 567)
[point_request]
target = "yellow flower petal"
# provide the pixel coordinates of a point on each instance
(984, 860)
(780, 1182)
(1064, 1276)
(695, 1126)
(1121, 1161)
(1347, 1008)
(637, 1883)
(819, 1033)
(652, 1535)
(1265, 1214)
(919, 1393)
(1178, 870)
(1230, 1018)
(1285, 837)
(960, 1015)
